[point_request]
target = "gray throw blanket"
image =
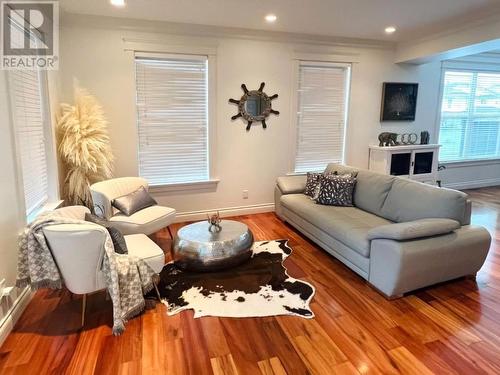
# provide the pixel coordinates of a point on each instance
(127, 278)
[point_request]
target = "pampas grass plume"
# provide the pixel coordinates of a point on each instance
(84, 147)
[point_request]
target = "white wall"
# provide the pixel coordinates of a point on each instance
(471, 175)
(12, 217)
(96, 57)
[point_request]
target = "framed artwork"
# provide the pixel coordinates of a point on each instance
(399, 101)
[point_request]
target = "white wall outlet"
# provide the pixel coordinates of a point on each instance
(245, 194)
(9, 292)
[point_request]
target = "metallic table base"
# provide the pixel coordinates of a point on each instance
(197, 249)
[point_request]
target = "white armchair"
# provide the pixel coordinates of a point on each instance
(78, 250)
(146, 221)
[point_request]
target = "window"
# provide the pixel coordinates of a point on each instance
(172, 118)
(321, 115)
(470, 116)
(27, 92)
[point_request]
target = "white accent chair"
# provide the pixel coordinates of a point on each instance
(146, 221)
(78, 250)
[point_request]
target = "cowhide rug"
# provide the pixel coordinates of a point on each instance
(258, 287)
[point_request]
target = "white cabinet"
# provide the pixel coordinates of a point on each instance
(416, 162)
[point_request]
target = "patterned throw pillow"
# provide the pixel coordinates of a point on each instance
(312, 183)
(336, 190)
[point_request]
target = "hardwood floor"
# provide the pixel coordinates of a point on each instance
(452, 328)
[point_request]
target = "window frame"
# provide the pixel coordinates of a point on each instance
(294, 106)
(461, 68)
(53, 189)
(212, 181)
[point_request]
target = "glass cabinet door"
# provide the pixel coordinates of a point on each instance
(423, 162)
(400, 164)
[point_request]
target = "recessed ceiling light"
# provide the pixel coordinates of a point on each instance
(117, 3)
(271, 18)
(390, 29)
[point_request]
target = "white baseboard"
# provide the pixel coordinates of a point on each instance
(224, 212)
(473, 184)
(11, 317)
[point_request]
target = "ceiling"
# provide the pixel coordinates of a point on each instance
(365, 19)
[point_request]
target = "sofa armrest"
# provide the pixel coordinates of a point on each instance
(292, 184)
(413, 229)
(397, 267)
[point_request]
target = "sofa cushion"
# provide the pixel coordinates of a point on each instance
(341, 169)
(143, 247)
(371, 191)
(411, 230)
(348, 225)
(410, 200)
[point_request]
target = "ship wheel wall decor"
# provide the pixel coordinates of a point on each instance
(254, 106)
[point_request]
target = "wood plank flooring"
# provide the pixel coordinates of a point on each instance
(452, 328)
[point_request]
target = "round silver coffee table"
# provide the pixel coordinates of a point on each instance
(197, 249)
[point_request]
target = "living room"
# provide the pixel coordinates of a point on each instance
(229, 113)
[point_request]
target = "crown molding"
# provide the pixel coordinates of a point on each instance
(469, 39)
(492, 17)
(206, 31)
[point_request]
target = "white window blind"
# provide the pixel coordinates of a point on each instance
(470, 116)
(321, 115)
(172, 110)
(27, 107)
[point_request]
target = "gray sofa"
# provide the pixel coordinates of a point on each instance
(401, 235)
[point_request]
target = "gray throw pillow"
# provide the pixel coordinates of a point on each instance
(116, 236)
(336, 190)
(133, 202)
